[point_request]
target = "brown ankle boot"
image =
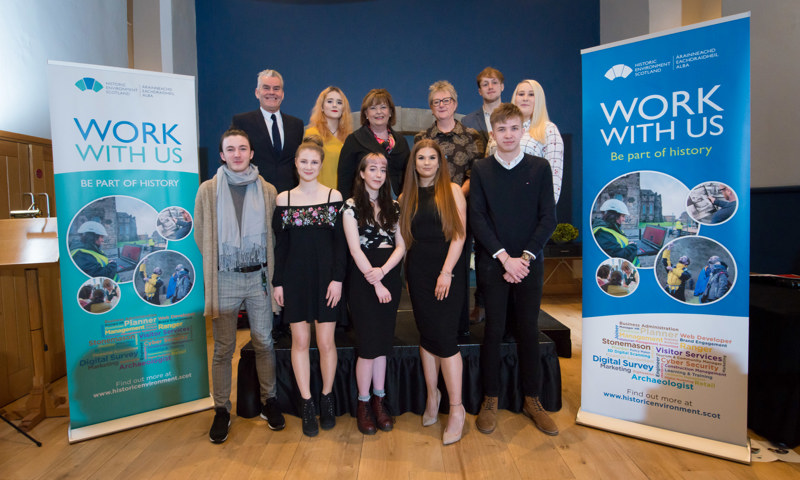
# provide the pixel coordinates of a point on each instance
(487, 418)
(382, 418)
(533, 409)
(366, 424)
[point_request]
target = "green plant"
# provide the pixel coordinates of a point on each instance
(564, 232)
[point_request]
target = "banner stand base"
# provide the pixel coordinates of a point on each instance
(138, 420)
(728, 451)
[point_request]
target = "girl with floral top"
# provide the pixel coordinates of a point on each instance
(310, 263)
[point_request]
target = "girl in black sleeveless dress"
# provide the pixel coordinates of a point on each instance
(433, 218)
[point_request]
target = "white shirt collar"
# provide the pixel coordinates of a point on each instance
(514, 162)
(268, 115)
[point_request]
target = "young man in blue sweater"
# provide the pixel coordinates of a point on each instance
(512, 216)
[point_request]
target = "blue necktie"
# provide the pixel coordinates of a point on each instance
(276, 136)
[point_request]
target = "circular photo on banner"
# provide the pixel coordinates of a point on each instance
(712, 203)
(617, 277)
(695, 270)
(109, 236)
(638, 213)
(98, 295)
(164, 278)
(174, 223)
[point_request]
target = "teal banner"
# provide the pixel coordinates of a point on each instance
(126, 175)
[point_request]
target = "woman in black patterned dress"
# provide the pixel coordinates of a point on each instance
(370, 226)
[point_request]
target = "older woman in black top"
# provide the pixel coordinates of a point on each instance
(375, 135)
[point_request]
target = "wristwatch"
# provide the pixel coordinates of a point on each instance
(526, 256)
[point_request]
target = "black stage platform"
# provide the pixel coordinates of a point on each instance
(405, 385)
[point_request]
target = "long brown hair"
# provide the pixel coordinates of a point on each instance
(388, 215)
(452, 226)
(319, 121)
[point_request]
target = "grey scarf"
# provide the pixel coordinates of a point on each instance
(245, 246)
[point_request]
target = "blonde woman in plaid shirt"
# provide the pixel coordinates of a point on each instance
(541, 137)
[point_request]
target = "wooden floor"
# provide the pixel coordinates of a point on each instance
(180, 449)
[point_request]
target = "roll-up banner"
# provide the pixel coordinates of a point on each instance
(126, 175)
(666, 182)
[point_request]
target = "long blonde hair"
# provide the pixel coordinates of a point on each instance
(539, 117)
(452, 227)
(319, 121)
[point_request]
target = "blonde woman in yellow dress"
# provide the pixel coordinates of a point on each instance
(332, 121)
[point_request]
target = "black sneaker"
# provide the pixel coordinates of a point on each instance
(272, 414)
(220, 426)
(327, 417)
(309, 417)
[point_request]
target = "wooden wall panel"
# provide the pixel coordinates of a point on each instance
(16, 341)
(5, 206)
(26, 165)
(8, 149)
(19, 179)
(41, 173)
(21, 156)
(53, 317)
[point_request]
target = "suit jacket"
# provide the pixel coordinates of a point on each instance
(277, 171)
(362, 142)
(475, 121)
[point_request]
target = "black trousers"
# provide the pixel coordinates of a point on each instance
(525, 298)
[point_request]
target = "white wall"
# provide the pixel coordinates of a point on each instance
(775, 101)
(35, 31)
(623, 19)
(774, 70)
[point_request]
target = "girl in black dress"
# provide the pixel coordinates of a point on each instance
(310, 264)
(432, 222)
(370, 226)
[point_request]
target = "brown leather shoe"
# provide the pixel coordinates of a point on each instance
(477, 315)
(487, 417)
(533, 409)
(382, 418)
(366, 424)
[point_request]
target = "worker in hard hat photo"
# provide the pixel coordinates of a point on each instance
(87, 254)
(608, 232)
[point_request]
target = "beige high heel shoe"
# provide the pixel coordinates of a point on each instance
(452, 437)
(428, 421)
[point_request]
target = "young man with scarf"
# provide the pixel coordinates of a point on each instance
(233, 218)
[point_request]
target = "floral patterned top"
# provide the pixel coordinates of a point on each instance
(371, 236)
(322, 215)
(310, 252)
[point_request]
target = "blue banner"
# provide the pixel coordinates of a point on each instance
(126, 175)
(666, 126)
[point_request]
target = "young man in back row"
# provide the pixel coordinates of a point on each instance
(512, 214)
(490, 87)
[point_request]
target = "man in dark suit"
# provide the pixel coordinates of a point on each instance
(274, 157)
(490, 86)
